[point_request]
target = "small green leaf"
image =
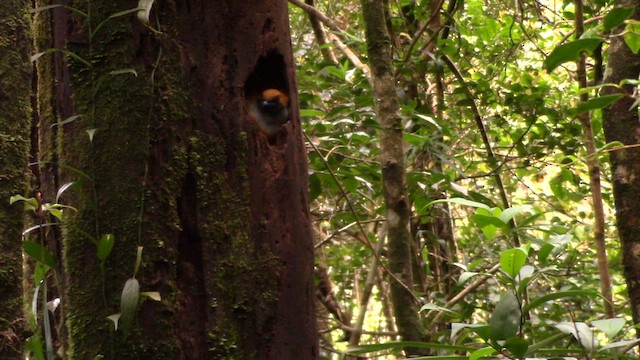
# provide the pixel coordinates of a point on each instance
(599, 102)
(436, 307)
(485, 351)
(30, 204)
(569, 52)
(517, 346)
(105, 245)
(460, 201)
(129, 303)
(558, 295)
(512, 260)
(616, 17)
(510, 213)
(611, 327)
(466, 276)
(40, 253)
(311, 113)
(505, 320)
(632, 36)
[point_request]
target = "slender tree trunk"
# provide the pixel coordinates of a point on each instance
(393, 172)
(593, 165)
(620, 123)
(15, 125)
(168, 158)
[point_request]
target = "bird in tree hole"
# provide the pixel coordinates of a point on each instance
(269, 111)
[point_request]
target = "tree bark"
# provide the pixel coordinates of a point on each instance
(393, 173)
(15, 125)
(167, 158)
(620, 123)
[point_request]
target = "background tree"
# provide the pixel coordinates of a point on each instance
(621, 124)
(146, 112)
(15, 115)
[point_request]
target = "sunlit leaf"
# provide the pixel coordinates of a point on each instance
(569, 51)
(611, 327)
(512, 260)
(580, 332)
(485, 351)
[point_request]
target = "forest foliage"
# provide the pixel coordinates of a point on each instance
(509, 112)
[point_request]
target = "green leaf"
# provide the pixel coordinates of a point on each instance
(569, 52)
(617, 344)
(510, 213)
(631, 36)
(436, 307)
(599, 102)
(105, 245)
(512, 260)
(505, 320)
(129, 303)
(311, 113)
(485, 351)
(483, 330)
(517, 346)
(30, 204)
(616, 17)
(558, 295)
(466, 276)
(611, 327)
(460, 201)
(40, 253)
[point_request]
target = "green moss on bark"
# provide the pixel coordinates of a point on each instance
(15, 123)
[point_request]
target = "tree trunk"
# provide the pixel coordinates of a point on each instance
(620, 123)
(15, 125)
(167, 157)
(393, 173)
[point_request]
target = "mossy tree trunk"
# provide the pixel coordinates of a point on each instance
(620, 123)
(15, 125)
(396, 200)
(165, 157)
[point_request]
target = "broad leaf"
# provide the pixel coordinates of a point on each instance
(599, 102)
(569, 52)
(611, 327)
(505, 320)
(40, 253)
(512, 260)
(616, 17)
